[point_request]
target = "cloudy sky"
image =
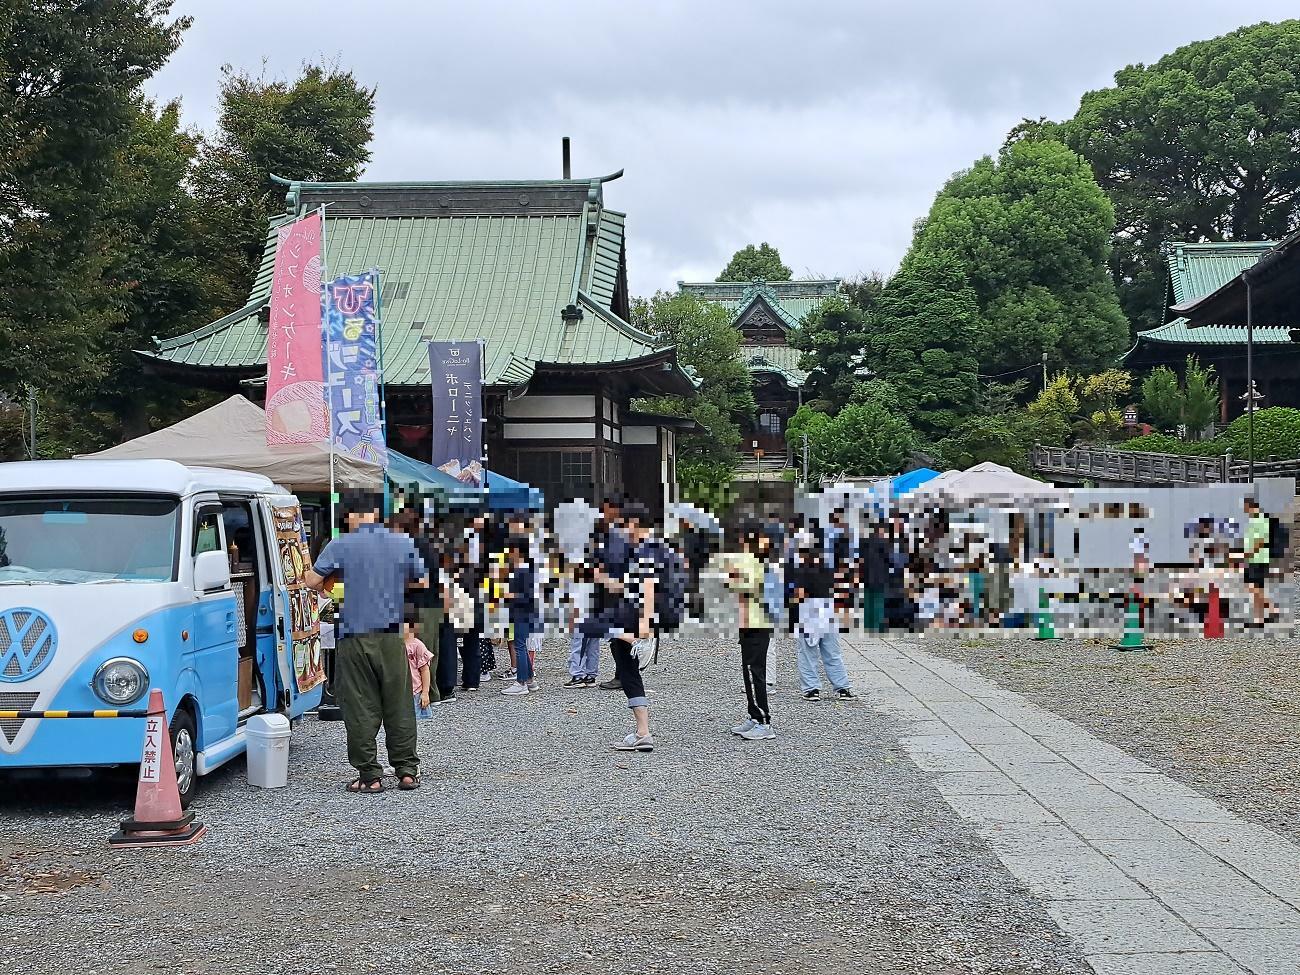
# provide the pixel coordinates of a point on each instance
(824, 126)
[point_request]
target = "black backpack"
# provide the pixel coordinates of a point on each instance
(1279, 538)
(671, 580)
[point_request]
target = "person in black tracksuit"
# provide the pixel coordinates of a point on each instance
(875, 559)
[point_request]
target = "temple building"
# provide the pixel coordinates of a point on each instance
(537, 269)
(765, 312)
(1195, 272)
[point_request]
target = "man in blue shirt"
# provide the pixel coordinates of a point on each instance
(372, 678)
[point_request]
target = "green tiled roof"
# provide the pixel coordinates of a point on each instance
(607, 257)
(779, 359)
(792, 300)
(1178, 332)
(1196, 270)
(457, 261)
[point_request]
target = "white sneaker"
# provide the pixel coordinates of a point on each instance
(634, 743)
(534, 686)
(760, 732)
(514, 688)
(484, 677)
(744, 726)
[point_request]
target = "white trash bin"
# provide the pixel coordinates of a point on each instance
(268, 750)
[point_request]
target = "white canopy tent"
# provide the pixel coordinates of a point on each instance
(232, 435)
(986, 482)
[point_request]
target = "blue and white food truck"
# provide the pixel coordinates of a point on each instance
(117, 576)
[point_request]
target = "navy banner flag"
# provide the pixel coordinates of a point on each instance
(352, 366)
(456, 370)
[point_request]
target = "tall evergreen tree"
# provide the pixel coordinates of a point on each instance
(763, 261)
(708, 344)
(832, 338)
(70, 77)
(1030, 232)
(1199, 146)
(923, 342)
(317, 127)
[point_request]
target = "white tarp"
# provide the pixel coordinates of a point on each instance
(232, 435)
(987, 482)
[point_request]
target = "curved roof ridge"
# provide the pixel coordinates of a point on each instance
(627, 328)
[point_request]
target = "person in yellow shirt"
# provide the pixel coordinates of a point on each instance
(745, 572)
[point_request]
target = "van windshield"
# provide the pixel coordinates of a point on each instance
(62, 540)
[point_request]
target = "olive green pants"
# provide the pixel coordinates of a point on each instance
(374, 689)
(429, 629)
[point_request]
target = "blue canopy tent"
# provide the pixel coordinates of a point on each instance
(505, 494)
(912, 480)
(502, 494)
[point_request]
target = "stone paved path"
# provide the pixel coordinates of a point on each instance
(1149, 876)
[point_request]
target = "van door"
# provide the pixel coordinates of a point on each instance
(211, 650)
(300, 673)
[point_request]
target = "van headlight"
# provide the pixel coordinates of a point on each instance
(121, 680)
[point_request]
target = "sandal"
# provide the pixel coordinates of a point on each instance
(408, 783)
(368, 787)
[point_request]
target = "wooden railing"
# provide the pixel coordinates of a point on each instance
(1136, 467)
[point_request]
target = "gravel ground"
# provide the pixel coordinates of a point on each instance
(1219, 715)
(532, 848)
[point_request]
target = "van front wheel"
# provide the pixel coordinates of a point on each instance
(185, 754)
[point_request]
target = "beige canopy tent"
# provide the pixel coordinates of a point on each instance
(232, 435)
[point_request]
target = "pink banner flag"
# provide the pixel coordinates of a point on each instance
(295, 382)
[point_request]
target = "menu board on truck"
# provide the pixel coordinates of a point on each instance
(304, 613)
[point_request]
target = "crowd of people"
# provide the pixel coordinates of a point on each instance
(438, 607)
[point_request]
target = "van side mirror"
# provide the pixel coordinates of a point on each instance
(211, 571)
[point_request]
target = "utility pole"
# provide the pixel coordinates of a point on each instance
(1044, 372)
(806, 480)
(31, 410)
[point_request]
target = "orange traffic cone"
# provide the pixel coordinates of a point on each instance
(159, 819)
(1213, 616)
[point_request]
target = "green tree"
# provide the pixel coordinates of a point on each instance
(763, 261)
(707, 343)
(863, 293)
(1102, 394)
(1200, 145)
(861, 440)
(1162, 399)
(831, 338)
(70, 76)
(166, 284)
(1050, 417)
(315, 128)
(922, 341)
(1200, 397)
(997, 438)
(1030, 232)
(865, 439)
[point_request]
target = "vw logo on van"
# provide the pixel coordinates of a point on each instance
(27, 642)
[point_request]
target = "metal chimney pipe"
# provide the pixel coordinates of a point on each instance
(564, 155)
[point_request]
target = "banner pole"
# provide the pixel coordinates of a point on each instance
(379, 357)
(482, 409)
(329, 369)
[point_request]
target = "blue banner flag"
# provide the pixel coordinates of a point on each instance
(456, 371)
(352, 366)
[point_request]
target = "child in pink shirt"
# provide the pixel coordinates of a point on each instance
(418, 657)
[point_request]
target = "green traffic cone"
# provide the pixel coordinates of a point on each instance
(1046, 629)
(1132, 639)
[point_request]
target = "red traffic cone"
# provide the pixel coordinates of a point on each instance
(159, 819)
(1213, 616)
